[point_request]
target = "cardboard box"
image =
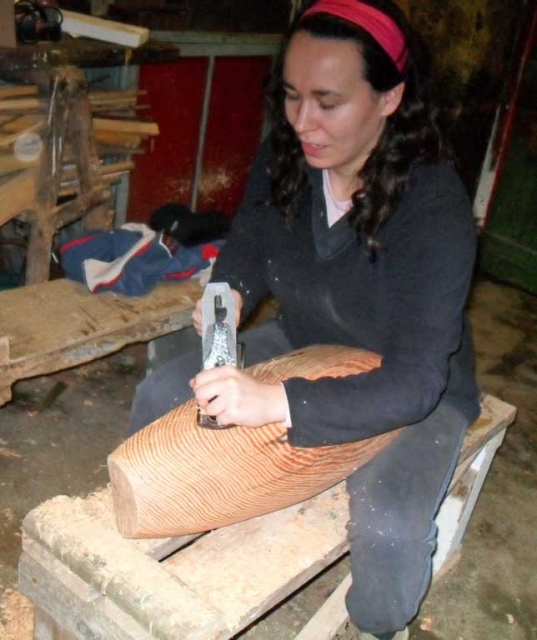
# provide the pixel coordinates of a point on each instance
(7, 24)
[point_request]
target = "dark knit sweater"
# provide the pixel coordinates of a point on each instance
(407, 305)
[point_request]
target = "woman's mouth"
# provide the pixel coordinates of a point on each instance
(311, 149)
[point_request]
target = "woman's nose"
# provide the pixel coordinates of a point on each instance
(303, 120)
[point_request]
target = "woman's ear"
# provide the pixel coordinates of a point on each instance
(392, 99)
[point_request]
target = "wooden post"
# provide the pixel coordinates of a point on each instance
(69, 124)
(42, 230)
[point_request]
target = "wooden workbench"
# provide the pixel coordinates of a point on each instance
(59, 324)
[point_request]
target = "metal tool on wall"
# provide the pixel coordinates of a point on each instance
(219, 337)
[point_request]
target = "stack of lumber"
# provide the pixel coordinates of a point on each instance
(24, 114)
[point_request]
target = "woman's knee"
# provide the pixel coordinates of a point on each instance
(391, 572)
(162, 391)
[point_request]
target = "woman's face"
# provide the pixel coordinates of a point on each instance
(335, 112)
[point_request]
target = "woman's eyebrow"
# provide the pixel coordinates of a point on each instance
(318, 93)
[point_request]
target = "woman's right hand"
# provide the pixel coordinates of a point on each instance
(196, 314)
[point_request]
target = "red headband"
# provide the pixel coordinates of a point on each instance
(381, 27)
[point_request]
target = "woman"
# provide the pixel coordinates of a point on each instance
(362, 231)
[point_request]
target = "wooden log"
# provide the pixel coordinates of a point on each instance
(175, 478)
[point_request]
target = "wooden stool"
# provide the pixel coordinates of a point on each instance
(87, 582)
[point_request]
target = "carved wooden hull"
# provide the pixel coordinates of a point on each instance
(174, 478)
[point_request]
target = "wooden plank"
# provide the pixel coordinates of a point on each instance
(331, 617)
(78, 24)
(18, 194)
(83, 204)
(18, 124)
(480, 467)
(46, 628)
(11, 138)
(495, 416)
(127, 126)
(9, 163)
(118, 138)
(23, 104)
(18, 90)
(73, 609)
(75, 326)
(103, 96)
(249, 567)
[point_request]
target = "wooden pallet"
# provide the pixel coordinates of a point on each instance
(59, 324)
(86, 581)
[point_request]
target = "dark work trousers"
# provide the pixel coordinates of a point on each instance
(168, 386)
(393, 499)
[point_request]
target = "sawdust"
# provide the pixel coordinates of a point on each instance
(16, 616)
(213, 181)
(8, 515)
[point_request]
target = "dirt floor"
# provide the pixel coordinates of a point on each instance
(56, 433)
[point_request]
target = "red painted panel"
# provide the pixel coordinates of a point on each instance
(233, 131)
(166, 172)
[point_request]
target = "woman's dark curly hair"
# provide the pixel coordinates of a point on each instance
(411, 134)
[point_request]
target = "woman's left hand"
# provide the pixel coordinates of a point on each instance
(234, 397)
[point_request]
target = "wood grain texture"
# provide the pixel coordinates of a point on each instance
(174, 478)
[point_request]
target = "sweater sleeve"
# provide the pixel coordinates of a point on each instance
(428, 274)
(241, 261)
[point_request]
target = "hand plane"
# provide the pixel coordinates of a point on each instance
(219, 336)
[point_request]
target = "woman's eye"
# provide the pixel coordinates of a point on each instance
(327, 107)
(291, 97)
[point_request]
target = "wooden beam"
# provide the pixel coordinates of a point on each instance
(23, 104)
(16, 124)
(126, 126)
(9, 163)
(18, 194)
(76, 208)
(118, 139)
(16, 91)
(78, 24)
(8, 140)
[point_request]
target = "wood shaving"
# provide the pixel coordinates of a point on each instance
(16, 616)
